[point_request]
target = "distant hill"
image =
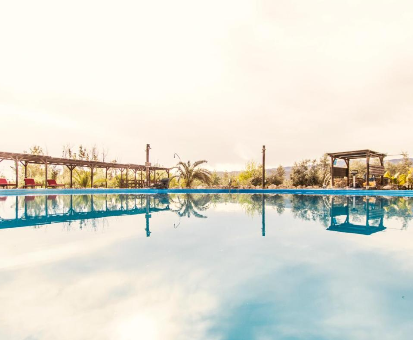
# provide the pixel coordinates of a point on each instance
(289, 168)
(395, 161)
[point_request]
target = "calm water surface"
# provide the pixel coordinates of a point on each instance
(223, 267)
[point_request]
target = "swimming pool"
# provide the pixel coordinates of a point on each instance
(206, 266)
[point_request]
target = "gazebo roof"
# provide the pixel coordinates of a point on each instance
(356, 154)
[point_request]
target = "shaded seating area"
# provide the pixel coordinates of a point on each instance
(377, 171)
(51, 183)
(30, 183)
(23, 159)
(4, 183)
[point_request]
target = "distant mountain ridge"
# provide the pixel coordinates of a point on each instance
(289, 168)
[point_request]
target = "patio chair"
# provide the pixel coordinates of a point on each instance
(51, 183)
(30, 183)
(4, 183)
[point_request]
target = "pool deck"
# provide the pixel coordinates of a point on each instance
(343, 192)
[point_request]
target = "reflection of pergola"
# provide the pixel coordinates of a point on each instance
(26, 159)
(376, 170)
(374, 212)
(143, 204)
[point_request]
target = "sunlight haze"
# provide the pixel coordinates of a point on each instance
(210, 80)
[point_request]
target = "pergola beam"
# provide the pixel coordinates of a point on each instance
(71, 164)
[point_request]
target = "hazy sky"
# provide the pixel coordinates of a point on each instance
(209, 79)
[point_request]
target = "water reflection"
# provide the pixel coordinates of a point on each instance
(237, 267)
(359, 215)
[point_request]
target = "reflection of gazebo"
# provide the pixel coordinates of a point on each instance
(373, 212)
(376, 170)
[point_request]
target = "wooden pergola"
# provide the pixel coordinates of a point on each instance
(26, 159)
(376, 170)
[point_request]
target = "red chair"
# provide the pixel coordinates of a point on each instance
(4, 183)
(29, 183)
(51, 183)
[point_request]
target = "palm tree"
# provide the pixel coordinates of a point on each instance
(191, 205)
(189, 173)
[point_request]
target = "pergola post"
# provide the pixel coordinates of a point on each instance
(368, 171)
(167, 172)
(25, 169)
(126, 178)
(45, 175)
(136, 183)
(332, 172)
(121, 178)
(106, 177)
(71, 167)
(16, 163)
(91, 176)
(348, 170)
(141, 178)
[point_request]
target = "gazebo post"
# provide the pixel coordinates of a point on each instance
(382, 164)
(45, 175)
(347, 160)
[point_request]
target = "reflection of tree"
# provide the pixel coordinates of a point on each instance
(399, 208)
(191, 204)
(252, 204)
(311, 208)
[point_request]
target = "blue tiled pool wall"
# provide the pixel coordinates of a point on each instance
(338, 192)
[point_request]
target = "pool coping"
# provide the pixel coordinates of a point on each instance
(342, 192)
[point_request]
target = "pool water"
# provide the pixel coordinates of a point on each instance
(206, 266)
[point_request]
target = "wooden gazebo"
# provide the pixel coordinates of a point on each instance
(340, 172)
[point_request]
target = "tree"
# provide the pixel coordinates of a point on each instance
(215, 179)
(251, 175)
(191, 173)
(324, 169)
(278, 177)
(305, 173)
(405, 164)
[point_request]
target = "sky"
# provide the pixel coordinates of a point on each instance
(210, 80)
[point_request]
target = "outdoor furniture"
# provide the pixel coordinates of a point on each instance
(162, 184)
(4, 183)
(51, 183)
(30, 183)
